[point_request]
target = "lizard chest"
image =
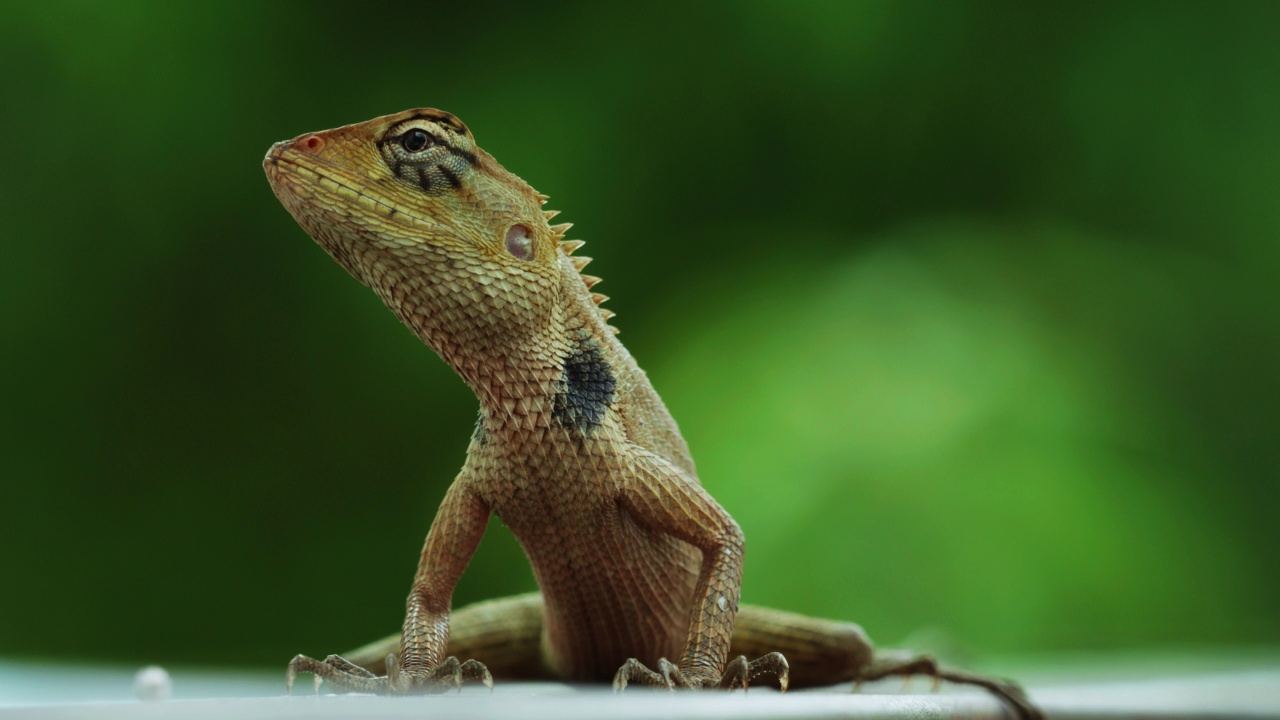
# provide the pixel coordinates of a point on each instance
(612, 587)
(555, 489)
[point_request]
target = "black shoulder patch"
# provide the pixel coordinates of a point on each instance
(586, 387)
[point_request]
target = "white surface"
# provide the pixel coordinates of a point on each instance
(48, 691)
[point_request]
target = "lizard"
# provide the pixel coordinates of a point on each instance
(639, 569)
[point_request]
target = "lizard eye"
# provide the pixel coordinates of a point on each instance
(415, 140)
(519, 244)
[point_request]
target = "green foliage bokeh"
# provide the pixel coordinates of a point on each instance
(967, 310)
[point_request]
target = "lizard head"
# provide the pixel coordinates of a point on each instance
(458, 247)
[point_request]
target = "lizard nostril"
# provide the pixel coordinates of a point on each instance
(312, 143)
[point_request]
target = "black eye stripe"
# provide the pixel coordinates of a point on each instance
(399, 134)
(424, 155)
(469, 157)
(451, 176)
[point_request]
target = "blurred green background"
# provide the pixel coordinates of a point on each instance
(968, 310)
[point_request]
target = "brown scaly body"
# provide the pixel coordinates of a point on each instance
(574, 450)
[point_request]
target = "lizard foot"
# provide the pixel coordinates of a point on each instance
(346, 676)
(737, 673)
(905, 665)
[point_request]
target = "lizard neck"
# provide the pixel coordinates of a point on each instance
(536, 379)
(516, 389)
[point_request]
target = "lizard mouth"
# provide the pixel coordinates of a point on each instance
(298, 177)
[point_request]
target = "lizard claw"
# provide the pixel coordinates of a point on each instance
(346, 676)
(738, 673)
(775, 664)
(475, 670)
(634, 670)
(669, 675)
(343, 674)
(291, 674)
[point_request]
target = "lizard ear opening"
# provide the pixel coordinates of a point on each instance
(519, 242)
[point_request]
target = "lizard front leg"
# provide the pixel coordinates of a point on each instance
(421, 665)
(505, 634)
(662, 498)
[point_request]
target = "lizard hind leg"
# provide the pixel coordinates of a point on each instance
(823, 653)
(902, 663)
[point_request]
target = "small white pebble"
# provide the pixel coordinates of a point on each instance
(152, 683)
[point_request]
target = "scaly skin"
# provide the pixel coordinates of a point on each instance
(573, 450)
